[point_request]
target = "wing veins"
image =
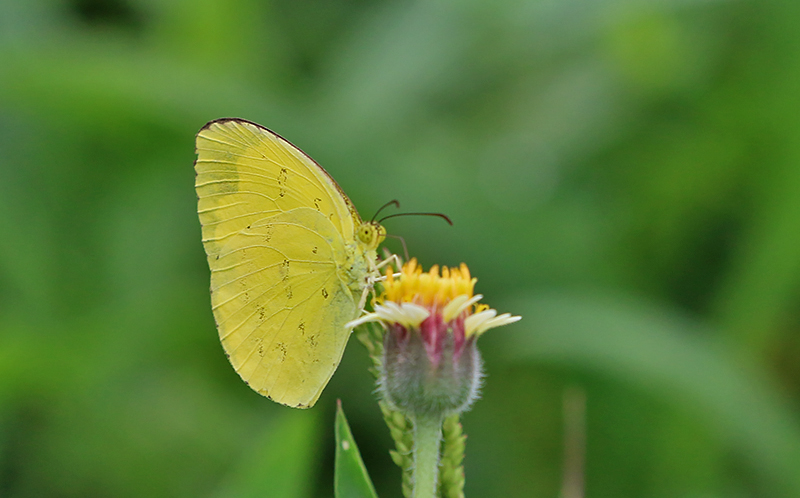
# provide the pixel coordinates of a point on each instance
(310, 295)
(218, 222)
(224, 132)
(214, 208)
(255, 272)
(219, 305)
(243, 156)
(238, 192)
(279, 330)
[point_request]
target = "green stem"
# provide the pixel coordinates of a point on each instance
(427, 437)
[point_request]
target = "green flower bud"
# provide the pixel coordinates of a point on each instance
(432, 370)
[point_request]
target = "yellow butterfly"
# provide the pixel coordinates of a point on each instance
(291, 260)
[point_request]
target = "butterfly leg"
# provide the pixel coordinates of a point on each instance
(372, 279)
(391, 259)
(394, 258)
(363, 301)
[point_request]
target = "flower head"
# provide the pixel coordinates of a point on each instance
(433, 319)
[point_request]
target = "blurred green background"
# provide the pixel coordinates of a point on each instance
(623, 174)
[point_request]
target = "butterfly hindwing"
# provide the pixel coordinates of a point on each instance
(280, 305)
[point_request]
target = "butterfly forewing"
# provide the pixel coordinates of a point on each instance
(246, 173)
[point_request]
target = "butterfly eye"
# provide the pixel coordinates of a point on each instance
(365, 234)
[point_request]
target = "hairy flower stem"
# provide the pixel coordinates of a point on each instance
(427, 438)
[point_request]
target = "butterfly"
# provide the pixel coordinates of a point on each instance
(291, 260)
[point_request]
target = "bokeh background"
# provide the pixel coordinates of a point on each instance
(624, 174)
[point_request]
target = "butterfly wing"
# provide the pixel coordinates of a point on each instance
(281, 307)
(246, 172)
(277, 230)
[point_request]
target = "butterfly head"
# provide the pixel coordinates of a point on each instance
(371, 234)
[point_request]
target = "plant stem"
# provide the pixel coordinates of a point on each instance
(427, 437)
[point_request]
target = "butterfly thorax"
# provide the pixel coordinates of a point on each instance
(362, 256)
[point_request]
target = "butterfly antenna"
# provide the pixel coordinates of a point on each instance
(440, 215)
(402, 241)
(393, 201)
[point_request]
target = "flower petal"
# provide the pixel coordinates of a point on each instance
(458, 305)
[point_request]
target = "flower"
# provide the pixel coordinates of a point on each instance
(431, 365)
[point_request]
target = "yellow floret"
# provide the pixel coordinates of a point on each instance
(427, 288)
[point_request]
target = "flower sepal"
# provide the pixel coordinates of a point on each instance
(432, 378)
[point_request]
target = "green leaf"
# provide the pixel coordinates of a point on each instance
(281, 461)
(350, 479)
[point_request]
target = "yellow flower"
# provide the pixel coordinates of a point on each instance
(430, 364)
(413, 296)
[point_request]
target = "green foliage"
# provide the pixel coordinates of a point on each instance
(658, 349)
(645, 152)
(280, 462)
(351, 479)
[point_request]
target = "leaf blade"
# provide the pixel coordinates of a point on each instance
(350, 479)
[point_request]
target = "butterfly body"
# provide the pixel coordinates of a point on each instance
(290, 259)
